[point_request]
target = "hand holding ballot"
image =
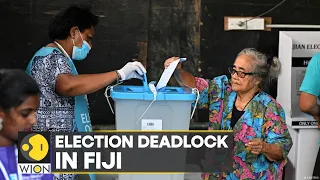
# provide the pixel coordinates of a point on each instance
(170, 60)
(132, 70)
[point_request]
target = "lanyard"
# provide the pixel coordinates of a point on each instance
(16, 153)
(3, 169)
(62, 49)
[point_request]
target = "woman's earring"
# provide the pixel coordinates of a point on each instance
(1, 124)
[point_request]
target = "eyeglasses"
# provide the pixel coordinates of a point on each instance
(239, 73)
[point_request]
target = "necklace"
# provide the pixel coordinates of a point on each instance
(62, 49)
(250, 100)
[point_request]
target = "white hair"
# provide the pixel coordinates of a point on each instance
(262, 67)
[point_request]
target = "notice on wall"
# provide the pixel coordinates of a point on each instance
(299, 65)
(300, 76)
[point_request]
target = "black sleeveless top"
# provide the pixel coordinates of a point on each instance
(236, 115)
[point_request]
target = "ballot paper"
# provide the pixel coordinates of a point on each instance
(167, 73)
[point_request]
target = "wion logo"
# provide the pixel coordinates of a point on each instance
(34, 153)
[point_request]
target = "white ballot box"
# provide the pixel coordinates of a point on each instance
(150, 107)
(296, 49)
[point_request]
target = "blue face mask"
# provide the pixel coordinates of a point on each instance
(80, 53)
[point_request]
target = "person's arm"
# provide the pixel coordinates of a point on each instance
(277, 142)
(70, 85)
(67, 84)
(310, 89)
(308, 104)
(211, 91)
(186, 79)
(183, 77)
(272, 152)
(278, 139)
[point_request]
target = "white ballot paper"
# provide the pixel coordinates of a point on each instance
(167, 73)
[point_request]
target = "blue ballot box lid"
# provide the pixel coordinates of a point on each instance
(143, 93)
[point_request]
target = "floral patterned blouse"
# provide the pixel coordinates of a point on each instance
(264, 118)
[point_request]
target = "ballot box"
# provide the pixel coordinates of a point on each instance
(151, 107)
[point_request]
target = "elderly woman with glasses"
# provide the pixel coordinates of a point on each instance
(261, 138)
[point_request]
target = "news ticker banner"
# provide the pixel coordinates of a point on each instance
(125, 152)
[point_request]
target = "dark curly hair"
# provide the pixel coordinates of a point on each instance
(15, 87)
(75, 15)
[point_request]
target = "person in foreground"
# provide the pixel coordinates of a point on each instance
(19, 95)
(261, 138)
(309, 94)
(63, 100)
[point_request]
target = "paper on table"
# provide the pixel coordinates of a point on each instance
(167, 73)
